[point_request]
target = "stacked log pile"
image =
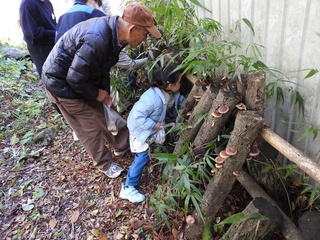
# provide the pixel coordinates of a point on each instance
(235, 107)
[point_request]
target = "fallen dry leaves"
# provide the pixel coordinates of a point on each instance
(77, 201)
(58, 194)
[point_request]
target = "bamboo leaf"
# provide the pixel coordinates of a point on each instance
(197, 206)
(307, 189)
(14, 140)
(256, 216)
(186, 182)
(186, 203)
(197, 3)
(233, 218)
(259, 65)
(249, 25)
(311, 73)
(312, 197)
(118, 213)
(184, 148)
(179, 167)
(16, 167)
(165, 155)
(306, 133)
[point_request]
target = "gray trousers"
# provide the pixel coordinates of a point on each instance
(87, 120)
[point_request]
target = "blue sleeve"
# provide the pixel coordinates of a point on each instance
(180, 100)
(98, 13)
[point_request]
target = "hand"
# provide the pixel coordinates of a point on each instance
(158, 126)
(104, 97)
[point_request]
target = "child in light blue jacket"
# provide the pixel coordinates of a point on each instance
(146, 121)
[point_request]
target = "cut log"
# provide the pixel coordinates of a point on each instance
(271, 181)
(197, 90)
(253, 228)
(247, 126)
(215, 122)
(194, 120)
(309, 225)
(192, 78)
(254, 91)
(293, 154)
(288, 229)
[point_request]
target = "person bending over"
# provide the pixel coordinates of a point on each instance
(76, 76)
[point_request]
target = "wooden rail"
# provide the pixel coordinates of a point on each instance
(308, 165)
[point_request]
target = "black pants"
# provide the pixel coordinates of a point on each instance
(39, 54)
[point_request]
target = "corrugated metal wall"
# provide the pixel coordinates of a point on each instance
(288, 31)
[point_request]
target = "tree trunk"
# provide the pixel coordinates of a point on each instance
(251, 228)
(248, 124)
(288, 229)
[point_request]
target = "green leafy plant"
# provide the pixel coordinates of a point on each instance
(313, 192)
(184, 180)
(311, 130)
(238, 217)
(163, 202)
(120, 85)
(282, 173)
(35, 215)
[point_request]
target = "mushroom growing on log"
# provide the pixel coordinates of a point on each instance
(241, 106)
(223, 109)
(216, 114)
(231, 151)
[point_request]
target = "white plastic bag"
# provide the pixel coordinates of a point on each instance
(114, 121)
(158, 137)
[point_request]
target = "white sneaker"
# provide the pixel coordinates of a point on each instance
(75, 137)
(114, 171)
(131, 193)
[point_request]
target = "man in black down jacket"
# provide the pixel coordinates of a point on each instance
(76, 77)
